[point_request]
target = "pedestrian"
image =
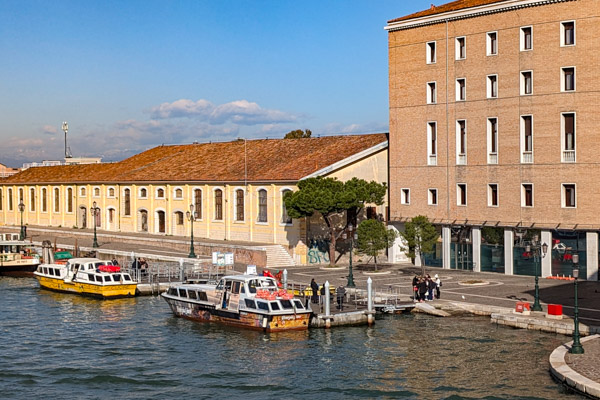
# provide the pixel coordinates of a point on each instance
(438, 285)
(415, 286)
(340, 294)
(430, 288)
(422, 289)
(315, 291)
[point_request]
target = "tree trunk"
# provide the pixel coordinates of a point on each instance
(375, 258)
(331, 246)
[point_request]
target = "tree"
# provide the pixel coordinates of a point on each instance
(373, 237)
(492, 235)
(298, 134)
(330, 197)
(420, 236)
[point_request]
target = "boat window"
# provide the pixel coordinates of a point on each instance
(252, 286)
(228, 285)
(117, 277)
(82, 277)
(202, 296)
(250, 303)
(107, 278)
(220, 285)
(52, 272)
(235, 287)
(192, 294)
(275, 306)
(91, 277)
(173, 291)
(126, 277)
(262, 305)
(182, 293)
(45, 271)
(286, 304)
(298, 304)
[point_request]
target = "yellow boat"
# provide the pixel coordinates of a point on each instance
(88, 277)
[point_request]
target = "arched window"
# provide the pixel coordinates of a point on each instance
(179, 217)
(70, 200)
(10, 199)
(32, 199)
(56, 200)
(160, 193)
(239, 205)
(20, 195)
(1, 199)
(218, 204)
(127, 202)
(285, 218)
(44, 200)
(262, 205)
(143, 193)
(178, 193)
(198, 203)
(111, 192)
(96, 192)
(82, 192)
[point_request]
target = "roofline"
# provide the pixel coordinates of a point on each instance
(470, 12)
(348, 160)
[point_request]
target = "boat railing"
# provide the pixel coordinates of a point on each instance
(168, 271)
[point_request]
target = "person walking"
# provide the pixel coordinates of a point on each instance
(438, 285)
(315, 291)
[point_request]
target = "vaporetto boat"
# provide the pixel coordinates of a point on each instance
(17, 257)
(249, 301)
(88, 277)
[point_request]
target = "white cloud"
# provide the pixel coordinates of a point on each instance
(49, 129)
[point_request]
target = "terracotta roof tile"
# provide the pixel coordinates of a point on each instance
(453, 6)
(267, 160)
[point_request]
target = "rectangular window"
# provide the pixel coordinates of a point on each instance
(1, 199)
(568, 79)
(492, 43)
(461, 194)
(567, 33)
(44, 200)
(10, 199)
(431, 53)
(492, 86)
(218, 205)
(461, 89)
(568, 137)
(432, 143)
(127, 202)
(56, 200)
(492, 134)
(526, 82)
(568, 195)
(493, 195)
(526, 38)
(405, 196)
(461, 142)
(527, 139)
(239, 205)
(461, 48)
(527, 195)
(431, 93)
(262, 205)
(285, 218)
(31, 199)
(197, 204)
(432, 198)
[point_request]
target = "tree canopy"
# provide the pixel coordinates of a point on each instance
(298, 134)
(373, 237)
(420, 236)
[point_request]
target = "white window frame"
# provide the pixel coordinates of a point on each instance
(492, 157)
(202, 200)
(459, 96)
(428, 49)
(164, 196)
(524, 157)
(73, 207)
(461, 158)
(490, 86)
(54, 188)
(405, 196)
(258, 189)
(82, 191)
(234, 205)
(568, 155)
(430, 197)
(488, 42)
(523, 191)
(175, 197)
(457, 48)
(140, 192)
(563, 80)
(522, 37)
(94, 189)
(432, 97)
(108, 195)
(223, 204)
(523, 86)
(562, 33)
(563, 195)
(281, 221)
(460, 188)
(431, 149)
(490, 191)
(10, 201)
(34, 202)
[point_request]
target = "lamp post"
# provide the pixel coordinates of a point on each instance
(576, 348)
(350, 231)
(190, 216)
(95, 210)
(21, 209)
(539, 252)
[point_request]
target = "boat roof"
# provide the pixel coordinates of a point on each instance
(15, 243)
(83, 260)
(246, 278)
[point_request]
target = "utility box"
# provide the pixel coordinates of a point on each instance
(522, 307)
(555, 311)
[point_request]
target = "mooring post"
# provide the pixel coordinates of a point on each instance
(181, 274)
(370, 301)
(327, 306)
(285, 279)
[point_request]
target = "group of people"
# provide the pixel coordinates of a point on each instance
(425, 288)
(319, 292)
(140, 264)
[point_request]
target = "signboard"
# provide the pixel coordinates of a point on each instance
(228, 258)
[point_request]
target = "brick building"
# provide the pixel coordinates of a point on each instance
(497, 101)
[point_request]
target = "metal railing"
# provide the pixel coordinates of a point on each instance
(569, 156)
(493, 158)
(527, 157)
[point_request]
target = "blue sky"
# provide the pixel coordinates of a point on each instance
(130, 75)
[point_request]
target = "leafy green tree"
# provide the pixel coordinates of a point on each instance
(420, 236)
(373, 237)
(492, 235)
(330, 198)
(298, 134)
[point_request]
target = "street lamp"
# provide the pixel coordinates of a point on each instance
(576, 348)
(353, 236)
(95, 211)
(539, 252)
(21, 209)
(191, 217)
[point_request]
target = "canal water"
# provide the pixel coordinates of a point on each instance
(57, 346)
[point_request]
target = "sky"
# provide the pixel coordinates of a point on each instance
(130, 75)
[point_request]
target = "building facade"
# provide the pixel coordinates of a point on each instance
(236, 189)
(497, 101)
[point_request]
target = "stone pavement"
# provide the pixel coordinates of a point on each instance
(580, 372)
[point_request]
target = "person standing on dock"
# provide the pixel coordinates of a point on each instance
(438, 284)
(340, 294)
(315, 291)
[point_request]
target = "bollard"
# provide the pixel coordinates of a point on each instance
(370, 301)
(285, 279)
(327, 306)
(181, 274)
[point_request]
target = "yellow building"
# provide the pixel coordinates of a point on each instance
(236, 188)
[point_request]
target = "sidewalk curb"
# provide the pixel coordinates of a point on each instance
(568, 376)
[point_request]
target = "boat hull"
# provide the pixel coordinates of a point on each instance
(244, 319)
(87, 289)
(19, 270)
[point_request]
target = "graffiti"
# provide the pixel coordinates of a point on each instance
(318, 252)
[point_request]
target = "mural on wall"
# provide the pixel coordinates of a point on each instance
(318, 251)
